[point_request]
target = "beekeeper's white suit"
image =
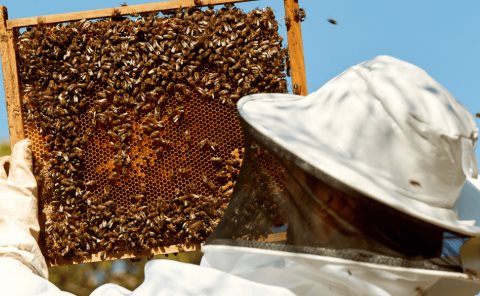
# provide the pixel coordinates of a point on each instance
(413, 133)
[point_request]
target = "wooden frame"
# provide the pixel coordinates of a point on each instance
(9, 34)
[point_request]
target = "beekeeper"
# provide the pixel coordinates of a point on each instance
(350, 190)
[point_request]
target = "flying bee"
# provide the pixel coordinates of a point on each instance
(302, 14)
(332, 21)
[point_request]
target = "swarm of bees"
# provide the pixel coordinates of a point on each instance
(133, 123)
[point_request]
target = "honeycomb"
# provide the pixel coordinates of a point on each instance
(133, 123)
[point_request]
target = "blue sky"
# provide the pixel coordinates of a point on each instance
(439, 36)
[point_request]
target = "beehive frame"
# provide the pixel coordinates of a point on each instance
(8, 36)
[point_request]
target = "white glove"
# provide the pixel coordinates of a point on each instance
(19, 226)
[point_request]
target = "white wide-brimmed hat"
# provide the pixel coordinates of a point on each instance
(384, 128)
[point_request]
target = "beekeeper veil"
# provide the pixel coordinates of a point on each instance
(367, 168)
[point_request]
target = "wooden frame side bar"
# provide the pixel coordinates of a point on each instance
(295, 47)
(10, 78)
(118, 11)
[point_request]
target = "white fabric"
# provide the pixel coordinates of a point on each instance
(468, 204)
(165, 277)
(383, 127)
(16, 279)
(305, 274)
(19, 226)
(162, 277)
(246, 271)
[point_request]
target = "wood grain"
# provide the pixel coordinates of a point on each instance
(118, 11)
(295, 48)
(123, 255)
(10, 78)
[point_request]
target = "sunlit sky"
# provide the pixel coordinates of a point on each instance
(439, 36)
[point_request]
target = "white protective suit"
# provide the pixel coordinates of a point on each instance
(224, 270)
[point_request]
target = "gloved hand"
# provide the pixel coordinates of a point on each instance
(19, 227)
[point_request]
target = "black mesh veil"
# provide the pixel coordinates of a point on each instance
(281, 203)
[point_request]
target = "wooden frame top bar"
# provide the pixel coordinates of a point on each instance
(107, 12)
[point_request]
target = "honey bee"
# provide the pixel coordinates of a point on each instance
(209, 183)
(155, 134)
(202, 143)
(184, 171)
(178, 114)
(196, 226)
(213, 146)
(302, 15)
(188, 136)
(113, 176)
(216, 159)
(296, 89)
(143, 187)
(202, 91)
(222, 175)
(158, 151)
(332, 21)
